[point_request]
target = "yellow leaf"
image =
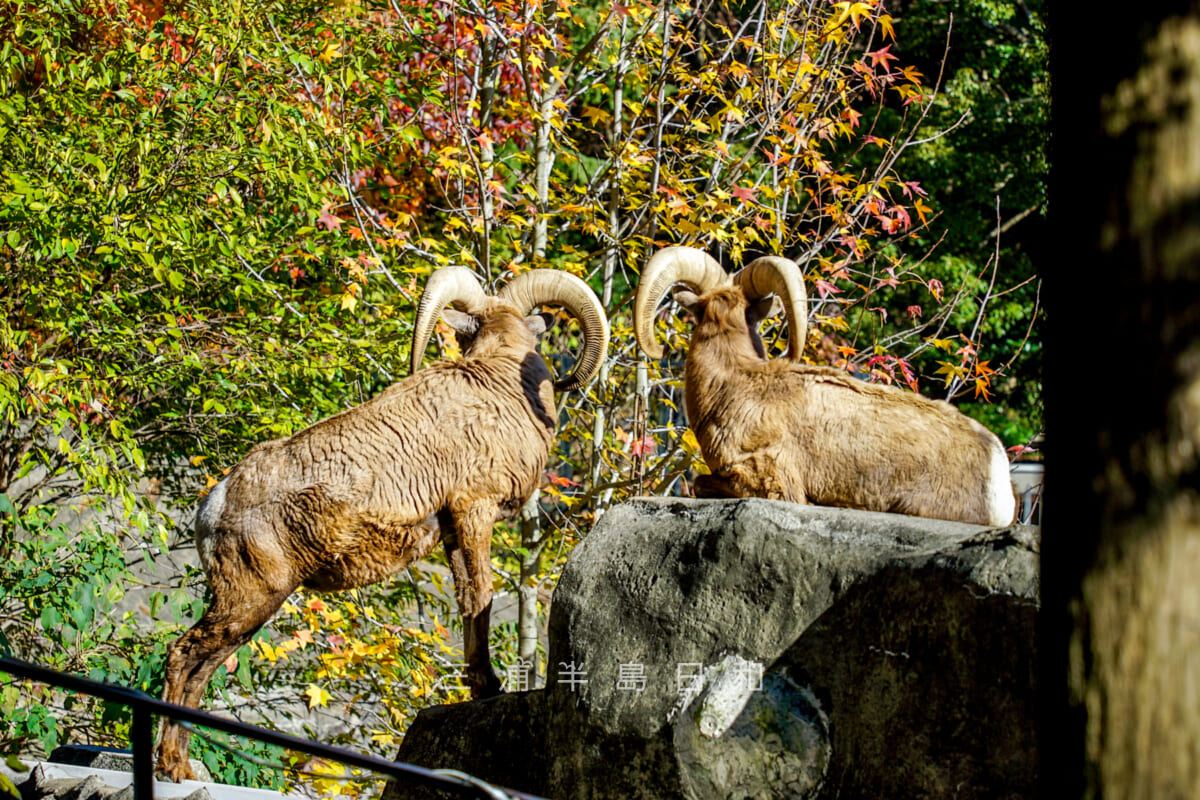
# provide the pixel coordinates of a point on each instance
(596, 116)
(951, 371)
(332, 50)
(885, 24)
(316, 696)
(265, 650)
(851, 11)
(921, 208)
(7, 787)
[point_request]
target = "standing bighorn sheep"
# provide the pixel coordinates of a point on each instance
(782, 429)
(442, 454)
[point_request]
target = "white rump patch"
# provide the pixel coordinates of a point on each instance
(207, 519)
(1002, 503)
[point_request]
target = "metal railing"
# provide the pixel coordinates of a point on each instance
(141, 738)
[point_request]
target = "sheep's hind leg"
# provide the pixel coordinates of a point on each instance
(236, 612)
(469, 550)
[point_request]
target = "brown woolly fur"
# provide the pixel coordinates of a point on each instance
(790, 431)
(438, 456)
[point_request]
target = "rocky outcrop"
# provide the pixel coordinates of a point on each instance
(759, 649)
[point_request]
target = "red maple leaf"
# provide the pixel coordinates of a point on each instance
(825, 288)
(744, 193)
(882, 56)
(328, 221)
(890, 225)
(640, 447)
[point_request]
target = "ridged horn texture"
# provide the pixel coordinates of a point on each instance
(447, 285)
(772, 274)
(694, 268)
(552, 287)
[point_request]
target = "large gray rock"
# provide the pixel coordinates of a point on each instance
(886, 656)
(501, 740)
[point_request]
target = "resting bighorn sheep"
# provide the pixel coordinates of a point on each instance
(781, 429)
(442, 454)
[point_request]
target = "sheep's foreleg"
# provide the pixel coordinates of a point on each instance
(712, 486)
(748, 481)
(469, 550)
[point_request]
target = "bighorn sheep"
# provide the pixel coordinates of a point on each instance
(782, 429)
(441, 454)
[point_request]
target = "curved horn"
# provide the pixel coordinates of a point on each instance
(781, 276)
(554, 287)
(457, 285)
(694, 268)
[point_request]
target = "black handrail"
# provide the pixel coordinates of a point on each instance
(142, 735)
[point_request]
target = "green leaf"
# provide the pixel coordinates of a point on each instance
(51, 619)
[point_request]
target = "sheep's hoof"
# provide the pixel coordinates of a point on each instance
(175, 774)
(490, 688)
(174, 769)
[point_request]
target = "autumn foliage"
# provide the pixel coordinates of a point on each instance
(220, 229)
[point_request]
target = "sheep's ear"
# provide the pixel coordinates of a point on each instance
(688, 299)
(539, 323)
(762, 308)
(462, 322)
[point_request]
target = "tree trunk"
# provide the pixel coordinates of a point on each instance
(533, 541)
(1121, 563)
